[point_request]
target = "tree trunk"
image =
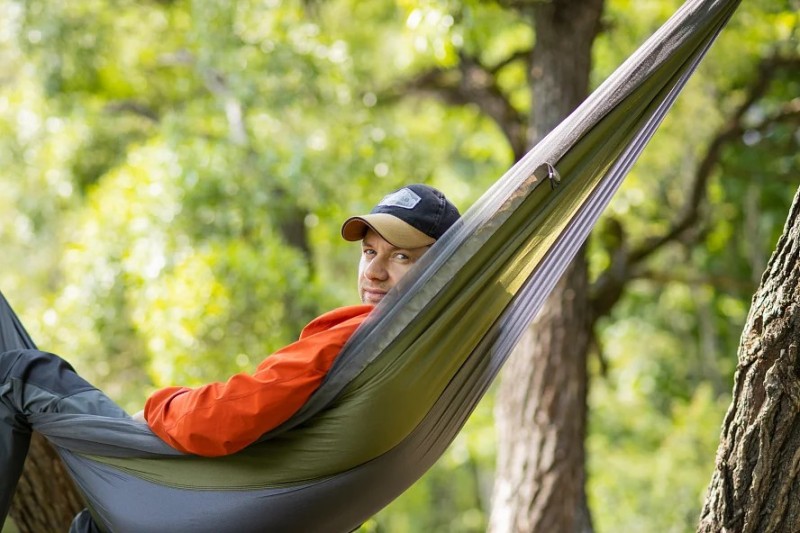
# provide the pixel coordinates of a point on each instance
(541, 409)
(756, 483)
(46, 500)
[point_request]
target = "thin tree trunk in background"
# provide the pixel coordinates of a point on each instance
(756, 483)
(541, 406)
(46, 500)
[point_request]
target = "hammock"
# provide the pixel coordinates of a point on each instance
(408, 379)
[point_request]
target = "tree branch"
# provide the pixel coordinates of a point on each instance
(732, 130)
(132, 106)
(217, 84)
(519, 55)
(470, 82)
(727, 283)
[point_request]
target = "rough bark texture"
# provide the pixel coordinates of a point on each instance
(46, 498)
(541, 410)
(562, 60)
(756, 483)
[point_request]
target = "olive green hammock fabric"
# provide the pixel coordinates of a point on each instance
(408, 379)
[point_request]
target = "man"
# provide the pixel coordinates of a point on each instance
(222, 418)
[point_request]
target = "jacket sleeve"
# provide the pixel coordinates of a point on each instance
(222, 418)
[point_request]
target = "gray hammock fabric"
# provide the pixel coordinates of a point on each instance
(408, 379)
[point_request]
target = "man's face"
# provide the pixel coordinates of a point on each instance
(382, 265)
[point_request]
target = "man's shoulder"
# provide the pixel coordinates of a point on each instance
(348, 316)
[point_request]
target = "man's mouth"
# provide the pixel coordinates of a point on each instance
(373, 295)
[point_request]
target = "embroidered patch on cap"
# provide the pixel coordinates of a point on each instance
(405, 198)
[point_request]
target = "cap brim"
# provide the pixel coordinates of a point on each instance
(389, 227)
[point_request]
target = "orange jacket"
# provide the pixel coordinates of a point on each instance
(222, 418)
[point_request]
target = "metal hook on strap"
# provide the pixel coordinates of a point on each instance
(548, 172)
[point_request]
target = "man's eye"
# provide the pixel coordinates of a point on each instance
(402, 257)
(368, 251)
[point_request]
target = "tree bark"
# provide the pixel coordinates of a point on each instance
(541, 406)
(46, 500)
(756, 482)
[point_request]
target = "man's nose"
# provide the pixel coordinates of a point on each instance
(377, 269)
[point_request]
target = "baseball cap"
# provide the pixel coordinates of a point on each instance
(411, 217)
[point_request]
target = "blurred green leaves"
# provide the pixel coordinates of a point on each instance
(173, 177)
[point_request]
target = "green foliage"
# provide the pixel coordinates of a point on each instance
(649, 471)
(174, 175)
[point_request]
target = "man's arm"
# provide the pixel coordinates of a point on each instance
(222, 418)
